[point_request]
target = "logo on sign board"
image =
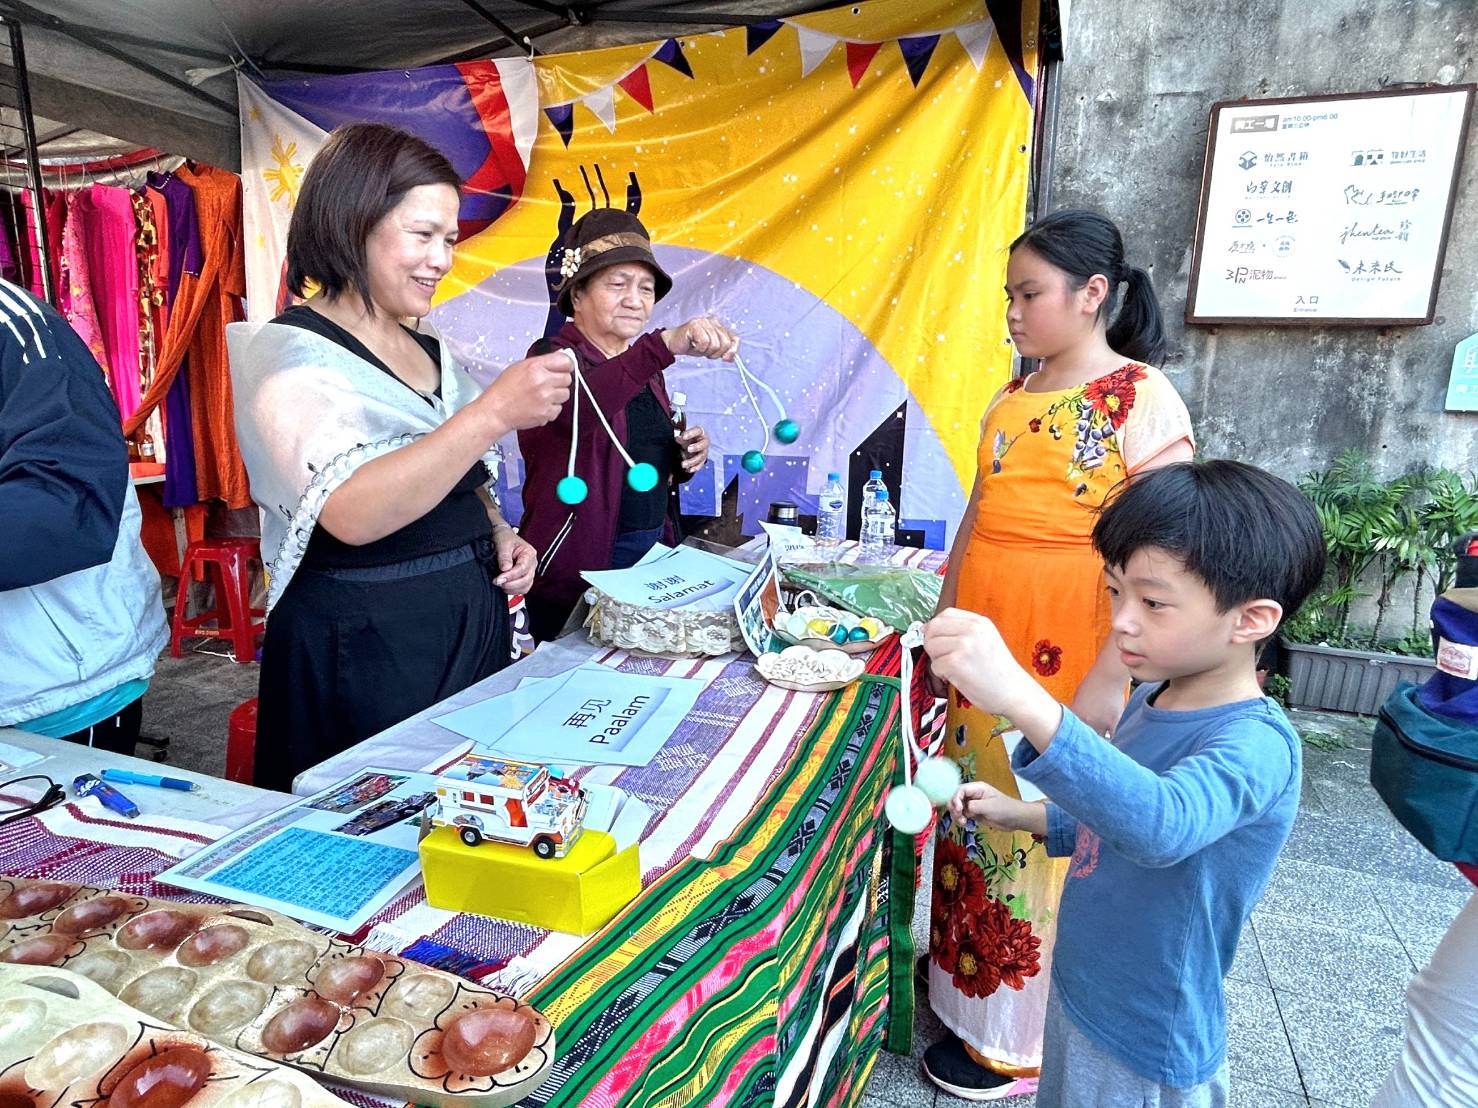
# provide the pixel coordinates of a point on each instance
(1243, 216)
(1254, 124)
(1283, 245)
(1368, 157)
(1247, 160)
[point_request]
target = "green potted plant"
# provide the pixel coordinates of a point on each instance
(1391, 532)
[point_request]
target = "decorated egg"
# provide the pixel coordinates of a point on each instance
(858, 634)
(819, 628)
(873, 626)
(838, 634)
(795, 625)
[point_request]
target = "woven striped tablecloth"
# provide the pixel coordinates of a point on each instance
(768, 957)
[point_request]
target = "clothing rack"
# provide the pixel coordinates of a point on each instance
(123, 170)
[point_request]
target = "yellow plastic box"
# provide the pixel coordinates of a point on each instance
(577, 894)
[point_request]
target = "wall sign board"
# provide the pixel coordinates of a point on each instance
(1328, 210)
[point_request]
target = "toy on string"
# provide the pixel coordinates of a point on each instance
(642, 476)
(786, 430)
(572, 490)
(910, 806)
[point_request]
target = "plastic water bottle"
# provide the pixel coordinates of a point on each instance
(870, 488)
(831, 512)
(879, 529)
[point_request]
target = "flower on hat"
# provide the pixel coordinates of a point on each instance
(570, 263)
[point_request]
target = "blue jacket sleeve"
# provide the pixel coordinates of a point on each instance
(1062, 830)
(63, 462)
(1160, 819)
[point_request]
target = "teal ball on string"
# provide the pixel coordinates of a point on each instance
(571, 490)
(753, 461)
(642, 477)
(787, 431)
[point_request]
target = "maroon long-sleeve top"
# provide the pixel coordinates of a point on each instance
(571, 539)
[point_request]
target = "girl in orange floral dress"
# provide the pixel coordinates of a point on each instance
(1051, 448)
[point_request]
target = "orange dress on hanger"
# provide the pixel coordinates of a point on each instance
(197, 329)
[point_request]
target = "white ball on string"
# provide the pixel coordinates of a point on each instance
(908, 809)
(938, 778)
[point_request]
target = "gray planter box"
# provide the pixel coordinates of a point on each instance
(1329, 679)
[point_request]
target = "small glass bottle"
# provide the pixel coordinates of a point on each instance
(679, 413)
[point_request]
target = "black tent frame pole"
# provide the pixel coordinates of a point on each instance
(33, 160)
(515, 37)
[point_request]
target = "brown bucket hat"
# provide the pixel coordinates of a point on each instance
(600, 239)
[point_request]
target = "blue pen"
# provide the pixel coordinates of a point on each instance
(88, 785)
(128, 777)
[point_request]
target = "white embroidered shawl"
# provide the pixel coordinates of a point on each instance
(308, 414)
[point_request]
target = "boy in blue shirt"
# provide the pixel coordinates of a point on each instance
(1174, 827)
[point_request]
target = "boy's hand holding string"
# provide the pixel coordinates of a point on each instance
(966, 650)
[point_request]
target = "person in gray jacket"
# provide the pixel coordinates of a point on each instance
(81, 616)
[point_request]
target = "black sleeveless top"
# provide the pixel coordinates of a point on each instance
(459, 519)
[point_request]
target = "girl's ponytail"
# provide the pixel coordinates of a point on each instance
(1138, 331)
(1083, 243)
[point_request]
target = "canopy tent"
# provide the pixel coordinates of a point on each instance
(167, 75)
(159, 73)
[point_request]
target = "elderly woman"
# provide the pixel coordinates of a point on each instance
(612, 280)
(368, 453)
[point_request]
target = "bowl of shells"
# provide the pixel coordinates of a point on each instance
(805, 669)
(827, 628)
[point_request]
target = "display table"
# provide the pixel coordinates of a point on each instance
(769, 952)
(80, 840)
(767, 957)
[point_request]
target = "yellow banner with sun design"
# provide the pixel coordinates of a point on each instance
(840, 187)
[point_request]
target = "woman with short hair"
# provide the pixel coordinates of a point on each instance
(368, 450)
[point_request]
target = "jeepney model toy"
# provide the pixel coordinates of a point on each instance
(511, 802)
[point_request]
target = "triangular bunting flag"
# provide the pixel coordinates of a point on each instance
(563, 118)
(916, 54)
(975, 38)
(638, 86)
(602, 103)
(814, 47)
(671, 53)
(757, 34)
(859, 57)
(1006, 14)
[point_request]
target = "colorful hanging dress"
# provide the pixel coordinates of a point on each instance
(1048, 460)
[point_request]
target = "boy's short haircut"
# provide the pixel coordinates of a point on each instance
(1245, 533)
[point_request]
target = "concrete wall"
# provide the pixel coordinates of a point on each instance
(1138, 83)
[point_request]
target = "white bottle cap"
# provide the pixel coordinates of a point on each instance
(680, 399)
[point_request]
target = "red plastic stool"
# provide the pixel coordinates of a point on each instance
(241, 742)
(232, 617)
